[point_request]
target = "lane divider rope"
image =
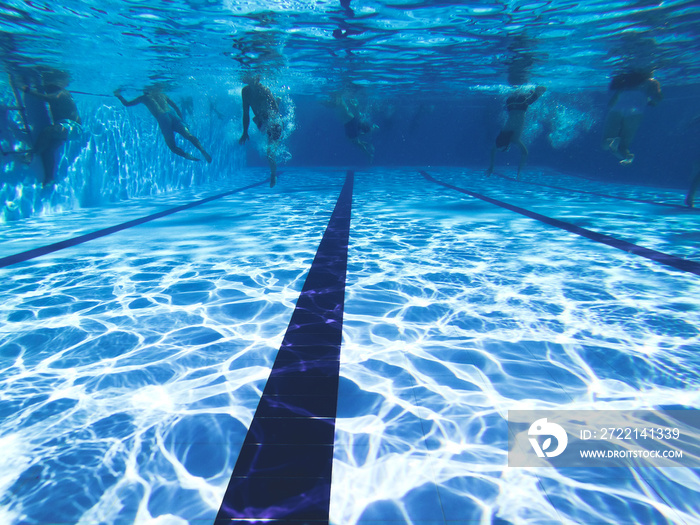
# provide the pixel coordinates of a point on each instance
(660, 257)
(68, 243)
(597, 194)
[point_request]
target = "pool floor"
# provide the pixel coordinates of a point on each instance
(133, 364)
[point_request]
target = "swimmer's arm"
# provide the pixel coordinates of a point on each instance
(43, 96)
(136, 101)
(536, 93)
(654, 92)
(174, 106)
(246, 115)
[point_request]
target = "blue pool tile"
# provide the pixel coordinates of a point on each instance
(321, 333)
(421, 504)
(285, 461)
(297, 406)
(302, 385)
(295, 431)
(295, 499)
(468, 498)
(589, 504)
(307, 354)
(308, 368)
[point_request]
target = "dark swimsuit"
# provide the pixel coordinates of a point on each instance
(518, 102)
(273, 128)
(352, 128)
(170, 122)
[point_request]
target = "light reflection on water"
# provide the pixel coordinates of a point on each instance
(131, 366)
(475, 312)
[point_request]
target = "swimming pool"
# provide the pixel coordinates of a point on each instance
(133, 364)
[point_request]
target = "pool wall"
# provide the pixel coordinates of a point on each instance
(124, 156)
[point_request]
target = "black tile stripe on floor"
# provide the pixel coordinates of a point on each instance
(597, 194)
(283, 473)
(659, 257)
(68, 243)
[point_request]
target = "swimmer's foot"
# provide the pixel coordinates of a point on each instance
(189, 157)
(207, 157)
(689, 201)
(612, 144)
(629, 157)
(273, 180)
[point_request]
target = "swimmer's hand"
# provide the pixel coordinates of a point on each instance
(540, 89)
(117, 92)
(243, 138)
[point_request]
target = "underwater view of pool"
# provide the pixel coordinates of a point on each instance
(349, 262)
(133, 364)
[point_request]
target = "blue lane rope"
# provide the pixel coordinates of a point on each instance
(44, 250)
(659, 257)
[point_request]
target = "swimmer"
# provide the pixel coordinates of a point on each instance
(267, 118)
(169, 119)
(516, 105)
(695, 174)
(355, 122)
(66, 123)
(633, 91)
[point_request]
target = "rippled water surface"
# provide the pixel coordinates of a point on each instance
(132, 364)
(414, 46)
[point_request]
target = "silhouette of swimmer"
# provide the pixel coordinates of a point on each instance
(169, 119)
(633, 91)
(516, 105)
(267, 118)
(695, 173)
(66, 125)
(355, 122)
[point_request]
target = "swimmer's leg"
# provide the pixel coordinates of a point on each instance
(612, 132)
(187, 135)
(690, 197)
(630, 125)
(523, 156)
(489, 171)
(50, 138)
(170, 142)
(271, 159)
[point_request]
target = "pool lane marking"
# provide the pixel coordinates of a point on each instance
(283, 473)
(659, 257)
(68, 243)
(630, 199)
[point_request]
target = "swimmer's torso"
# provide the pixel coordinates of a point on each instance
(157, 103)
(261, 101)
(630, 101)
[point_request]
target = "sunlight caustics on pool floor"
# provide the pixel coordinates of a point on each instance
(133, 364)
